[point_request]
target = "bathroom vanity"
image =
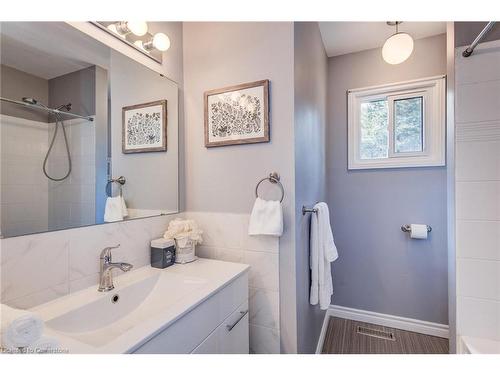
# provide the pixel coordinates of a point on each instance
(200, 307)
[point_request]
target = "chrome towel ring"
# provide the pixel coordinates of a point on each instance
(120, 181)
(274, 178)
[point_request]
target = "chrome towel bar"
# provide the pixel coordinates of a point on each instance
(120, 181)
(306, 210)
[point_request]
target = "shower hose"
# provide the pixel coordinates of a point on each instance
(59, 121)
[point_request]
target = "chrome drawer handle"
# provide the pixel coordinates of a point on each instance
(231, 326)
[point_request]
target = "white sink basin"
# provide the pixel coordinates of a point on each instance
(143, 303)
(109, 308)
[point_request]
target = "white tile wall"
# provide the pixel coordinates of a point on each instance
(478, 192)
(51, 205)
(72, 201)
(225, 237)
(478, 239)
(40, 267)
(23, 186)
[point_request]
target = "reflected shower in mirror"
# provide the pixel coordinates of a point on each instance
(62, 132)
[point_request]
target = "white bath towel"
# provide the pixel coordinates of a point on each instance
(266, 218)
(19, 328)
(115, 209)
(322, 252)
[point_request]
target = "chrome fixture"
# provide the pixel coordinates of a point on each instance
(398, 47)
(120, 181)
(407, 228)
(273, 178)
(230, 327)
(306, 210)
(33, 104)
(106, 267)
(469, 50)
(138, 28)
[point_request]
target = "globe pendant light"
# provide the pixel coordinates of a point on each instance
(398, 47)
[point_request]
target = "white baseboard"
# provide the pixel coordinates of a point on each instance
(398, 322)
(322, 334)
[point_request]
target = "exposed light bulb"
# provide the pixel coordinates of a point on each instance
(161, 42)
(112, 27)
(138, 28)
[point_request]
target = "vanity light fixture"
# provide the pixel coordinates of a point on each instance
(138, 28)
(398, 47)
(136, 35)
(159, 41)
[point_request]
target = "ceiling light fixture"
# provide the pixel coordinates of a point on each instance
(398, 47)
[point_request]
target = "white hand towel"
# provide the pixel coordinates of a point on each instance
(115, 209)
(322, 252)
(266, 218)
(124, 207)
(19, 328)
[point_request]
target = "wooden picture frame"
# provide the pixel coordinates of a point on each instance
(237, 115)
(144, 127)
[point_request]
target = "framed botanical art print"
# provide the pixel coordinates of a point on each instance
(144, 127)
(237, 114)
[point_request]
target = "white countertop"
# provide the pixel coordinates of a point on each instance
(175, 291)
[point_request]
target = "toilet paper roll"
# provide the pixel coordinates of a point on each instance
(418, 231)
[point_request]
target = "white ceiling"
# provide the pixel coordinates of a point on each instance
(48, 49)
(340, 38)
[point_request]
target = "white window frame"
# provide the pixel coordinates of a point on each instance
(434, 137)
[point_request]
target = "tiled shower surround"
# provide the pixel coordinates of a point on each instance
(52, 204)
(38, 268)
(478, 191)
(24, 187)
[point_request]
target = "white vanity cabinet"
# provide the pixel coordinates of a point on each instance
(219, 324)
(231, 337)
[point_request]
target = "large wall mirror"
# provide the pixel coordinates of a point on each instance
(88, 135)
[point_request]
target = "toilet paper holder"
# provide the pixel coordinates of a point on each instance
(407, 228)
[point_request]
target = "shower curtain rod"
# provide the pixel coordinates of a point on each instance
(469, 50)
(50, 110)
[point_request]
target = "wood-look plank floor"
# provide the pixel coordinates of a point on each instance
(342, 338)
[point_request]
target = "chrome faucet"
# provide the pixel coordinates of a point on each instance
(106, 267)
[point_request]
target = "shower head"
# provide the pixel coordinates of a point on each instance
(67, 107)
(30, 101)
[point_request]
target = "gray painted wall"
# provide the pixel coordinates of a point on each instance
(15, 84)
(223, 179)
(379, 268)
(155, 187)
(310, 64)
(77, 88)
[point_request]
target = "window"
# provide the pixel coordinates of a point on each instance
(397, 125)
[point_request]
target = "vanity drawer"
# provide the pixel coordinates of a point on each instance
(233, 296)
(188, 332)
(231, 337)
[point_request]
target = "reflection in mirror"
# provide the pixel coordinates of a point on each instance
(63, 127)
